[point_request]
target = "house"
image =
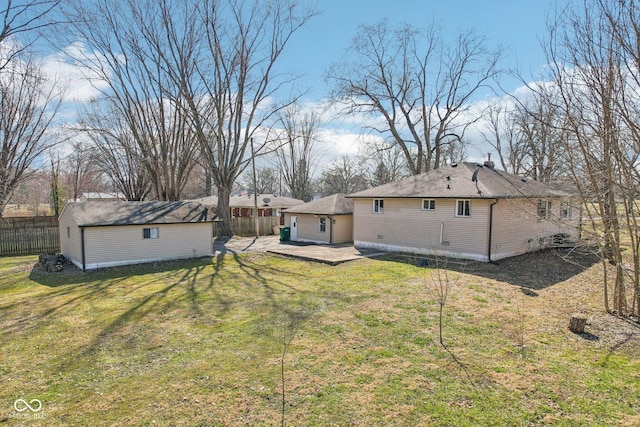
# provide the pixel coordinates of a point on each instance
(106, 234)
(465, 210)
(101, 196)
(327, 220)
(243, 205)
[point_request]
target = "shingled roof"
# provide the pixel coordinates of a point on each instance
(463, 180)
(92, 214)
(337, 204)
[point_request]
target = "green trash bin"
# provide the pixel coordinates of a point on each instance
(285, 233)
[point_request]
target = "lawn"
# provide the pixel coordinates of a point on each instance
(204, 342)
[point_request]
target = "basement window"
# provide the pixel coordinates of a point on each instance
(150, 233)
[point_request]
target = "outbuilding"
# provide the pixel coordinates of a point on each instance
(106, 234)
(326, 220)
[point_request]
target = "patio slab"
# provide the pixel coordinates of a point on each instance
(328, 254)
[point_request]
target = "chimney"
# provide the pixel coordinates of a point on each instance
(489, 164)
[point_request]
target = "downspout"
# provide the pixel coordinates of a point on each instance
(330, 229)
(490, 228)
(82, 248)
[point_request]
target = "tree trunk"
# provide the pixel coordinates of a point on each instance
(577, 323)
(224, 193)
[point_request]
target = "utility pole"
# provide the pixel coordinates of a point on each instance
(255, 191)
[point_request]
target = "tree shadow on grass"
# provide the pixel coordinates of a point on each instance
(71, 289)
(538, 270)
(531, 271)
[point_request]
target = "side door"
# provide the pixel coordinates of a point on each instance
(294, 229)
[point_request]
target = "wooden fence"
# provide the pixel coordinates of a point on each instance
(29, 240)
(245, 226)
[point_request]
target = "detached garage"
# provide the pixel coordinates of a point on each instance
(327, 220)
(106, 234)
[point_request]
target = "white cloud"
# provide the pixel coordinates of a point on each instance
(80, 83)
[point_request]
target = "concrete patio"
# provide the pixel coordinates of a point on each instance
(327, 254)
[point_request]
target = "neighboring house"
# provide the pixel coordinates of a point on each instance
(106, 234)
(327, 220)
(243, 205)
(465, 210)
(101, 197)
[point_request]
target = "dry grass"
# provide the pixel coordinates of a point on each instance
(197, 343)
(26, 210)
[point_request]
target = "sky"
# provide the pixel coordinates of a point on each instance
(517, 25)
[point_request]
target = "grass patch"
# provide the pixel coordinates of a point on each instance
(200, 340)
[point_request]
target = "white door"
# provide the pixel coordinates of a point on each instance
(294, 229)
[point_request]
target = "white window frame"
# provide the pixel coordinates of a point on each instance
(466, 208)
(544, 213)
(322, 225)
(431, 203)
(378, 206)
(153, 233)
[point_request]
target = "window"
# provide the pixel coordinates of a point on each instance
(544, 209)
(378, 206)
(428, 205)
(565, 209)
(463, 208)
(150, 233)
(233, 212)
(322, 225)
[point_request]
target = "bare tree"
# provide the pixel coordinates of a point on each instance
(593, 51)
(57, 194)
(80, 169)
(439, 282)
(499, 130)
(343, 176)
(231, 97)
(115, 153)
(128, 46)
(28, 105)
(528, 134)
(542, 136)
(266, 181)
(296, 150)
(25, 19)
(420, 87)
(383, 164)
